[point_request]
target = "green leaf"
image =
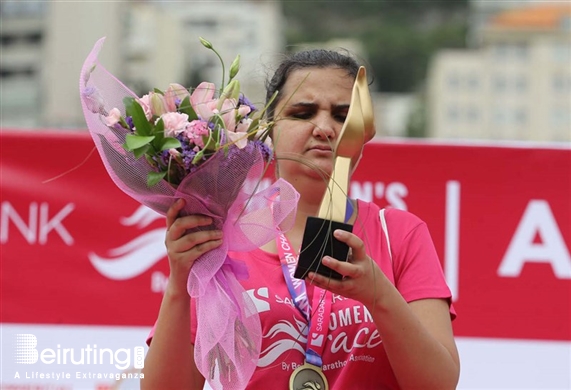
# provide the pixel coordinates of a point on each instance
(159, 132)
(186, 108)
(135, 111)
(212, 140)
(150, 161)
(133, 141)
(159, 128)
(253, 126)
(198, 157)
(141, 151)
(154, 177)
(158, 91)
(170, 143)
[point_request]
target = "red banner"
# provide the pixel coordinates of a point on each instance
(76, 250)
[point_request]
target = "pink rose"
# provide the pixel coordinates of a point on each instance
(174, 122)
(196, 130)
(113, 117)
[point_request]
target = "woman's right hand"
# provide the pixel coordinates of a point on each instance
(184, 248)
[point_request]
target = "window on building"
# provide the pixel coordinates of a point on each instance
(562, 52)
(520, 83)
(517, 51)
(520, 116)
(561, 83)
(201, 23)
(453, 81)
(472, 114)
(473, 82)
(500, 51)
(561, 117)
(8, 40)
(23, 8)
(34, 37)
(520, 51)
(499, 116)
(452, 113)
(499, 83)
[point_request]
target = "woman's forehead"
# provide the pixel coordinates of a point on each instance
(317, 81)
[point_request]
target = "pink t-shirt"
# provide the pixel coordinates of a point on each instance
(354, 357)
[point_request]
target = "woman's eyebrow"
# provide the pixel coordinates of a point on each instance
(344, 106)
(303, 105)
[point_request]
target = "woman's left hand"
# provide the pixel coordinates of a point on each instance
(361, 275)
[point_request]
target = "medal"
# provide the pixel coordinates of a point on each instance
(308, 377)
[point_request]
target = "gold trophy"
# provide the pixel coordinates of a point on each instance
(318, 240)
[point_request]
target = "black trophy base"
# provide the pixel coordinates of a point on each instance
(318, 241)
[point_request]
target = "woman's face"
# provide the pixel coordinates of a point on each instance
(309, 117)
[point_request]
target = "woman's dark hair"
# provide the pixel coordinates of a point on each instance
(318, 58)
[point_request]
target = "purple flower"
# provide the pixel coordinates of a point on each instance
(265, 149)
(93, 99)
(130, 122)
(243, 100)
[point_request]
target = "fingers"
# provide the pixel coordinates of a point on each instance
(196, 242)
(172, 212)
(178, 228)
(348, 270)
(180, 242)
(356, 245)
(351, 269)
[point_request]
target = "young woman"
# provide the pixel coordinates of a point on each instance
(389, 322)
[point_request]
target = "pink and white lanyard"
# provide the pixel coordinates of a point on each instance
(319, 324)
(321, 302)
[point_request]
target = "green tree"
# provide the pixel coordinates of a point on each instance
(399, 36)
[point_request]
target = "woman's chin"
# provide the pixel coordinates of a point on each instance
(318, 171)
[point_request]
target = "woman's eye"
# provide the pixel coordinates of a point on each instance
(301, 115)
(341, 118)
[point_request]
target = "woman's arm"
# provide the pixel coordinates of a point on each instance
(417, 336)
(418, 340)
(169, 363)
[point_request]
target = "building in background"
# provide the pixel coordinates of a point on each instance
(516, 86)
(21, 41)
(170, 50)
(71, 30)
(149, 44)
(483, 11)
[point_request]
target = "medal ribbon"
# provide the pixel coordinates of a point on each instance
(321, 301)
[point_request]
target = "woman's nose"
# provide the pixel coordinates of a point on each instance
(325, 127)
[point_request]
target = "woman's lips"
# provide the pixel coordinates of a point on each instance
(321, 148)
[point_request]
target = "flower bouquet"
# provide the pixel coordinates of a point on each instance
(209, 147)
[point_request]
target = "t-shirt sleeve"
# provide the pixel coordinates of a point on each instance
(418, 271)
(151, 334)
